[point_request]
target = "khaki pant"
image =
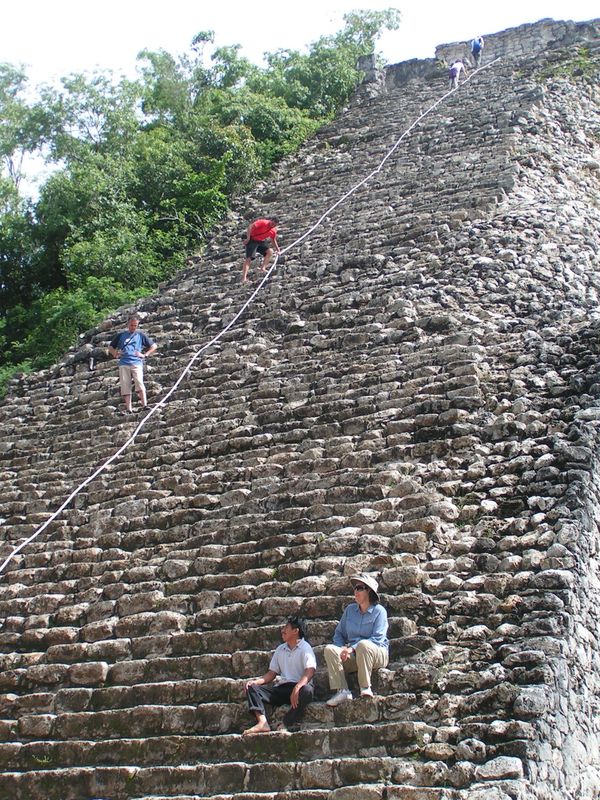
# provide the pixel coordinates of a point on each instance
(365, 658)
(131, 373)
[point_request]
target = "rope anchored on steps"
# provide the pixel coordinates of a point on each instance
(154, 410)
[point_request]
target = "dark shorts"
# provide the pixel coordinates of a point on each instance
(254, 246)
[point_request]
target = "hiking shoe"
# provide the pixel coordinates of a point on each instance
(339, 697)
(368, 692)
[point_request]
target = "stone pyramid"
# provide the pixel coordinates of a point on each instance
(414, 393)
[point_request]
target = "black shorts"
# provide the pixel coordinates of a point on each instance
(254, 246)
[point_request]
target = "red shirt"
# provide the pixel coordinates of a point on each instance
(262, 229)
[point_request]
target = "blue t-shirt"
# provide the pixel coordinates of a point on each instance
(354, 626)
(128, 343)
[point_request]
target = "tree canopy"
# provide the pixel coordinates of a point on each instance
(140, 170)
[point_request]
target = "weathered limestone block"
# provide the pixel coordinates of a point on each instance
(500, 768)
(434, 773)
(47, 674)
(404, 577)
(96, 631)
(150, 623)
(531, 702)
(88, 674)
(471, 750)
(364, 791)
(36, 727)
(72, 700)
(138, 603)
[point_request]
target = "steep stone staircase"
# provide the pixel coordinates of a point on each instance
(414, 395)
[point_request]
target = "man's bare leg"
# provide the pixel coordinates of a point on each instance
(245, 270)
(262, 726)
(267, 259)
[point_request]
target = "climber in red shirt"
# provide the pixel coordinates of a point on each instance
(261, 233)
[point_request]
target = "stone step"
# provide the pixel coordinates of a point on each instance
(198, 605)
(185, 735)
(367, 791)
(407, 691)
(158, 664)
(308, 794)
(167, 652)
(57, 586)
(286, 431)
(91, 663)
(203, 690)
(317, 410)
(210, 780)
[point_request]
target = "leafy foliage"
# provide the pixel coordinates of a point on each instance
(58, 317)
(142, 170)
(321, 81)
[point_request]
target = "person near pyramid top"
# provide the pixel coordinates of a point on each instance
(454, 72)
(260, 238)
(477, 51)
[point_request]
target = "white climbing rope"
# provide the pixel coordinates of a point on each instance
(386, 157)
(232, 322)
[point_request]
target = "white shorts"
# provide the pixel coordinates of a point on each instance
(131, 374)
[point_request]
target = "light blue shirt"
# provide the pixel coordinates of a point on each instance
(354, 626)
(290, 664)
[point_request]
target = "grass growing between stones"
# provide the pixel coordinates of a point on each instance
(581, 65)
(43, 761)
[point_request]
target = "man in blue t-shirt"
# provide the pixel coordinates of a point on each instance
(477, 51)
(131, 347)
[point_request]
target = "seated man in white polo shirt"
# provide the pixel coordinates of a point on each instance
(288, 680)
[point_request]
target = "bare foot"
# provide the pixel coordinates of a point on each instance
(260, 727)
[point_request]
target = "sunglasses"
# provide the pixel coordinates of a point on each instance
(358, 587)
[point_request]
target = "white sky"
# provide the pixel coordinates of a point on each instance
(53, 38)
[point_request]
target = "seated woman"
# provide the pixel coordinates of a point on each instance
(359, 643)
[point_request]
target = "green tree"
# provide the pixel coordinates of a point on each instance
(143, 170)
(322, 80)
(230, 69)
(171, 174)
(91, 114)
(165, 87)
(17, 254)
(53, 323)
(24, 126)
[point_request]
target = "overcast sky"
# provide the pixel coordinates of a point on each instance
(56, 37)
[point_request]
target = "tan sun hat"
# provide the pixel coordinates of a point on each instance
(362, 577)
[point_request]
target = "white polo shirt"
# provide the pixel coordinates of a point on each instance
(290, 664)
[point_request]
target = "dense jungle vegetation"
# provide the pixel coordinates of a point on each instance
(142, 169)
